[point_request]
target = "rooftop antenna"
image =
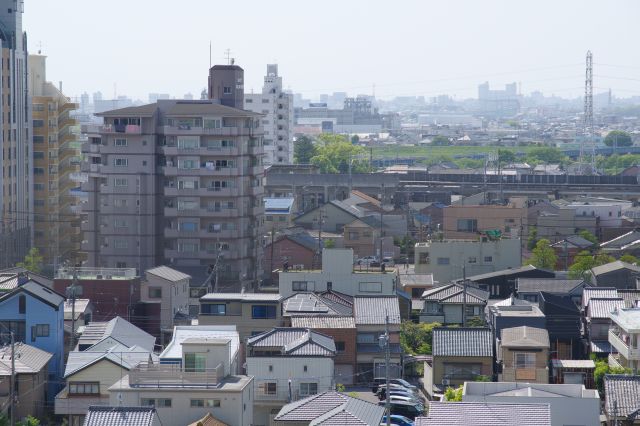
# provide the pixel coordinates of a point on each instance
(39, 48)
(227, 55)
(209, 53)
(587, 130)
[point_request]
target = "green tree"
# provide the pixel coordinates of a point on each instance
(482, 378)
(416, 338)
(584, 261)
(355, 139)
(29, 421)
(475, 322)
(32, 261)
(506, 156)
(303, 150)
(533, 238)
(453, 394)
(334, 152)
(330, 243)
(588, 236)
(543, 256)
(629, 258)
(618, 138)
(547, 155)
(602, 368)
(440, 140)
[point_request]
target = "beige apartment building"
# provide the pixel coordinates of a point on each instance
(56, 163)
(463, 222)
(179, 183)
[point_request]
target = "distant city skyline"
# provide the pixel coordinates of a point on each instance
(415, 48)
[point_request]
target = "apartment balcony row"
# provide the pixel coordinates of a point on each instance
(171, 191)
(120, 128)
(202, 233)
(148, 375)
(201, 254)
(200, 212)
(222, 151)
(171, 170)
(623, 345)
(220, 131)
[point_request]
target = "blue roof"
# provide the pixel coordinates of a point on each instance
(278, 205)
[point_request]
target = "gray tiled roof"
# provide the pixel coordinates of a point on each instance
(599, 292)
(525, 337)
(550, 285)
(486, 414)
(168, 273)
(28, 359)
(120, 355)
(445, 291)
(601, 308)
(323, 322)
(242, 297)
(295, 342)
(331, 408)
(614, 266)
(475, 342)
(374, 310)
(119, 329)
(624, 392)
(120, 416)
(631, 297)
(39, 291)
(623, 241)
(459, 297)
(502, 272)
(312, 303)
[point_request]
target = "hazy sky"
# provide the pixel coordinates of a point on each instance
(405, 47)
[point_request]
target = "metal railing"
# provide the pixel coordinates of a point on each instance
(173, 375)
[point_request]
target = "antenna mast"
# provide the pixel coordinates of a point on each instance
(587, 146)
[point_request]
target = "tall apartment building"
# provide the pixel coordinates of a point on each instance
(177, 182)
(56, 163)
(16, 193)
(277, 108)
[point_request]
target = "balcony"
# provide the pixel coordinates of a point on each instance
(147, 375)
(90, 168)
(221, 131)
(172, 170)
(623, 348)
(171, 191)
(177, 233)
(77, 404)
(201, 254)
(131, 129)
(206, 212)
(204, 151)
(91, 148)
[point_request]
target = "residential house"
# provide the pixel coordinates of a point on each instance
(164, 294)
(628, 243)
(573, 371)
(523, 355)
(121, 416)
(208, 420)
(296, 250)
(31, 376)
(117, 330)
(529, 288)
(250, 313)
(81, 310)
(631, 297)
(449, 259)
(485, 413)
(511, 313)
(366, 237)
(466, 222)
(35, 315)
(598, 293)
(597, 323)
(289, 364)
(624, 337)
(90, 373)
(555, 222)
(563, 322)
(621, 399)
(431, 215)
(185, 392)
(329, 408)
(338, 274)
(567, 249)
(502, 284)
(459, 355)
(278, 213)
(372, 316)
(328, 313)
(221, 336)
(618, 274)
(569, 404)
(444, 304)
(331, 217)
(415, 285)
(607, 211)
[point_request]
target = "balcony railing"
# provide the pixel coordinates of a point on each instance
(121, 128)
(623, 347)
(220, 131)
(172, 375)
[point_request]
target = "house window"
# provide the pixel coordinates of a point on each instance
(195, 363)
(354, 235)
(474, 311)
(84, 388)
(423, 258)
(120, 142)
(226, 90)
(461, 371)
(263, 312)
(524, 360)
(269, 388)
(120, 182)
(147, 402)
(155, 292)
(42, 330)
(443, 261)
(467, 225)
(488, 259)
(340, 347)
(120, 244)
(197, 403)
(22, 304)
(433, 308)
(308, 389)
(472, 259)
(121, 162)
(299, 286)
(120, 202)
(119, 223)
(214, 309)
(370, 287)
(163, 402)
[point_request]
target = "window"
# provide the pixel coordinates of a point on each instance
(211, 402)
(340, 347)
(524, 360)
(423, 258)
(367, 287)
(473, 311)
(120, 223)
(120, 202)
(22, 304)
(268, 388)
(163, 402)
(120, 182)
(41, 330)
(120, 244)
(299, 286)
(151, 402)
(263, 312)
(186, 142)
(195, 363)
(121, 162)
(38, 123)
(84, 388)
(308, 388)
(188, 226)
(462, 371)
(155, 292)
(354, 235)
(38, 155)
(226, 90)
(472, 259)
(467, 225)
(147, 402)
(120, 142)
(214, 309)
(443, 261)
(38, 139)
(187, 247)
(488, 259)
(187, 164)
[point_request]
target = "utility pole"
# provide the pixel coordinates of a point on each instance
(71, 291)
(13, 380)
(384, 342)
(464, 295)
(273, 231)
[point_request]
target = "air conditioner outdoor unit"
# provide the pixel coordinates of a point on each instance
(445, 382)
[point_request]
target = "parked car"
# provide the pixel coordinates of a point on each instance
(408, 400)
(405, 409)
(392, 386)
(397, 420)
(377, 381)
(367, 261)
(388, 261)
(404, 383)
(382, 393)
